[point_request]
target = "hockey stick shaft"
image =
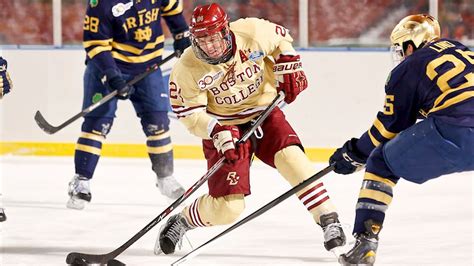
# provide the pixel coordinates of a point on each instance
(104, 258)
(50, 129)
(258, 212)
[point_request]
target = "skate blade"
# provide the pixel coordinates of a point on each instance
(76, 204)
(157, 250)
(338, 251)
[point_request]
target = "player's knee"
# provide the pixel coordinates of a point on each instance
(293, 164)
(97, 126)
(229, 208)
(155, 123)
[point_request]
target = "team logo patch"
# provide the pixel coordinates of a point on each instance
(94, 3)
(209, 79)
(233, 178)
(120, 8)
(105, 129)
(97, 97)
(255, 55)
(152, 128)
(243, 57)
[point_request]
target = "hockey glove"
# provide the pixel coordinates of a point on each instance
(5, 82)
(348, 159)
(181, 42)
(114, 81)
(225, 138)
(290, 76)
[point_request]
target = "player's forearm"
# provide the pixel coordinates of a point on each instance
(199, 124)
(104, 61)
(365, 144)
(176, 23)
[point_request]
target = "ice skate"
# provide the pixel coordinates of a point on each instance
(79, 192)
(171, 234)
(365, 248)
(169, 187)
(333, 233)
(3, 216)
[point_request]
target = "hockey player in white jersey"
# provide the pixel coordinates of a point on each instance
(233, 72)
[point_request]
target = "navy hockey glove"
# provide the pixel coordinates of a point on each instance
(181, 42)
(5, 81)
(114, 81)
(290, 76)
(348, 159)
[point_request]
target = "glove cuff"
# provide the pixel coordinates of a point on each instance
(356, 155)
(181, 35)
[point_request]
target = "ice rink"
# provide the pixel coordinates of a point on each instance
(431, 224)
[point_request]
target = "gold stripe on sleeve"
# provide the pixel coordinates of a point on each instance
(384, 132)
(88, 44)
(169, 6)
(373, 139)
(98, 50)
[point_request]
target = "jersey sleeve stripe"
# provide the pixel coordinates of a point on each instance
(382, 130)
(182, 111)
(173, 8)
(373, 139)
(97, 50)
(88, 44)
(170, 4)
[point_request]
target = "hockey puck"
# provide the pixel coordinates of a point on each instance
(115, 262)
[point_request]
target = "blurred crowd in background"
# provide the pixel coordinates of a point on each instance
(360, 23)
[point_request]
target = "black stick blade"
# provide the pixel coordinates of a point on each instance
(115, 262)
(44, 125)
(81, 259)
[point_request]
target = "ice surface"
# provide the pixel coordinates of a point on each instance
(430, 224)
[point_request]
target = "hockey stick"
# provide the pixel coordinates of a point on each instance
(76, 258)
(50, 129)
(259, 212)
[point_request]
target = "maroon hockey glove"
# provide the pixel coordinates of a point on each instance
(290, 76)
(225, 138)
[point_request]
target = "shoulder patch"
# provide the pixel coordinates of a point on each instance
(243, 57)
(120, 8)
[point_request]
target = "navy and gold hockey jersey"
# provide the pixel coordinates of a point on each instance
(127, 34)
(437, 80)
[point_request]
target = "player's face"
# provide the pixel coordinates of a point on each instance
(213, 45)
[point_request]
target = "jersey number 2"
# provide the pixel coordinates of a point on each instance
(458, 67)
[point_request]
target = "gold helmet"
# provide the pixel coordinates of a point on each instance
(420, 29)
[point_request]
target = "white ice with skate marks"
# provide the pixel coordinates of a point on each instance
(431, 224)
